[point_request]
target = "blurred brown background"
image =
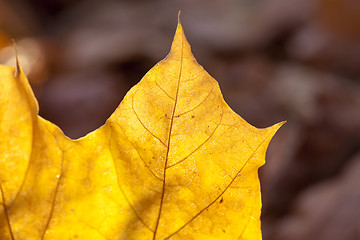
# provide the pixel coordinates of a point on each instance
(274, 59)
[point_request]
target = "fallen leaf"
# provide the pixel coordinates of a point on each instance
(172, 162)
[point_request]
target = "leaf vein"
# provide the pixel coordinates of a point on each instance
(6, 212)
(196, 105)
(142, 159)
(134, 210)
(222, 193)
(247, 223)
(148, 130)
(202, 144)
(169, 138)
(54, 197)
(164, 91)
(122, 191)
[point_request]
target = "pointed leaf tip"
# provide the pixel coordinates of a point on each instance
(277, 126)
(281, 123)
(17, 65)
(180, 47)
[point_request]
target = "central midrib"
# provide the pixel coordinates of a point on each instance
(168, 142)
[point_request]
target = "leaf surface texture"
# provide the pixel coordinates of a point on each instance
(172, 162)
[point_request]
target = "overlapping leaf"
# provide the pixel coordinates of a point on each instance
(172, 162)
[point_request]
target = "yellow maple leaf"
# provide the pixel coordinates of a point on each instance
(172, 162)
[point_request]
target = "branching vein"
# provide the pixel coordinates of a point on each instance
(142, 159)
(164, 91)
(220, 195)
(6, 212)
(54, 197)
(202, 144)
(169, 140)
(137, 116)
(196, 105)
(123, 193)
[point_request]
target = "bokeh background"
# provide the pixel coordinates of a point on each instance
(274, 60)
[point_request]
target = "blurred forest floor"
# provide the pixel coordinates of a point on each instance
(274, 60)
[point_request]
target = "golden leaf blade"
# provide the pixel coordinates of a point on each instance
(172, 162)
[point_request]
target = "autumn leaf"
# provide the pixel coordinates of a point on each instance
(172, 162)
